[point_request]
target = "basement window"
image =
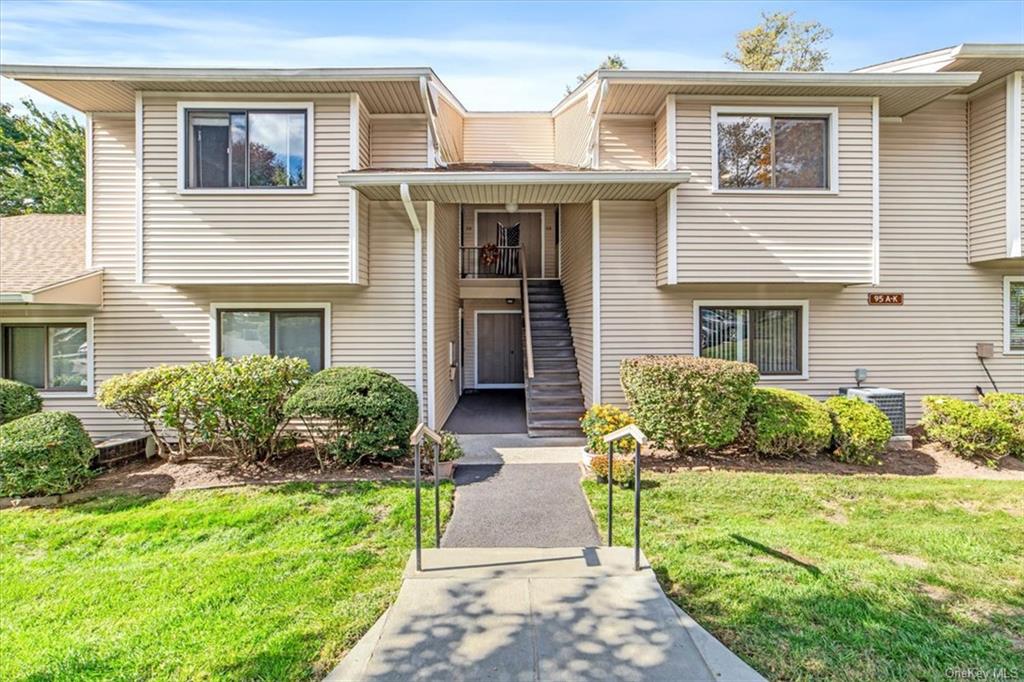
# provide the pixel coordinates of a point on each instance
(773, 337)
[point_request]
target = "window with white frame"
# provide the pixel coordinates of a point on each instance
(769, 336)
(1014, 314)
(297, 333)
(774, 151)
(246, 148)
(51, 356)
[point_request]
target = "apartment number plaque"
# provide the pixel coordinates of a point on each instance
(885, 299)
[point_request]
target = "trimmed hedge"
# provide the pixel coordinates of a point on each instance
(1010, 408)
(787, 424)
(17, 400)
(600, 420)
(45, 453)
(622, 468)
(860, 431)
(686, 401)
(135, 395)
(967, 429)
(352, 413)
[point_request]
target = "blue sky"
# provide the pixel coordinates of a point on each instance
(512, 55)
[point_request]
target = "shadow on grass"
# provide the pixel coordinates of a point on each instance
(810, 568)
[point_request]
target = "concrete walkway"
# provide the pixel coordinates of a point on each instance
(536, 614)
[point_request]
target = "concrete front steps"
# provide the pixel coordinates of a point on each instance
(554, 397)
(576, 613)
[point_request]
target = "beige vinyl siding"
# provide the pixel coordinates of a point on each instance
(572, 132)
(469, 310)
(661, 138)
(274, 237)
(778, 237)
(627, 143)
(529, 138)
(577, 284)
(925, 346)
(987, 144)
(398, 142)
(365, 154)
(446, 309)
(661, 240)
(449, 123)
(550, 247)
(364, 241)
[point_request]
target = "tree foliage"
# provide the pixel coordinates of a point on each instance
(779, 43)
(613, 62)
(42, 162)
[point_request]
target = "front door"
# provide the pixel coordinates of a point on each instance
(531, 235)
(499, 350)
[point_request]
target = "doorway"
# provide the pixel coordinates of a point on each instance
(531, 234)
(498, 347)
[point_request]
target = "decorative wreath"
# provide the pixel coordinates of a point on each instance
(489, 254)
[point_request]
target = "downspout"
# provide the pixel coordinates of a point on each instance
(417, 240)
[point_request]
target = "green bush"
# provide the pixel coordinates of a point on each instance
(450, 448)
(967, 429)
(45, 453)
(17, 400)
(1010, 408)
(686, 401)
(786, 424)
(860, 431)
(353, 413)
(622, 468)
(598, 422)
(135, 396)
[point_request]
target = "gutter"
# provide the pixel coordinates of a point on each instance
(417, 240)
(85, 73)
(582, 177)
(950, 79)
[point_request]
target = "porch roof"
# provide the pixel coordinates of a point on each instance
(42, 261)
(503, 183)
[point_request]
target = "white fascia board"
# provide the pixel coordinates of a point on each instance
(866, 80)
(388, 178)
(148, 73)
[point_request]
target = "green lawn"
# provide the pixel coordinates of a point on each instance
(250, 583)
(830, 577)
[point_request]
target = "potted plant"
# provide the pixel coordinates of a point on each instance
(598, 422)
(450, 451)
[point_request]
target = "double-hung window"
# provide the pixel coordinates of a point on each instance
(52, 356)
(297, 333)
(246, 148)
(769, 336)
(774, 151)
(1013, 306)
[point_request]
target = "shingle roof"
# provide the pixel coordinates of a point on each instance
(38, 250)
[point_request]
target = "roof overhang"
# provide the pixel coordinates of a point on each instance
(84, 290)
(528, 187)
(993, 61)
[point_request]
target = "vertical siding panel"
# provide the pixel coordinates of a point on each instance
(987, 142)
(577, 283)
(446, 308)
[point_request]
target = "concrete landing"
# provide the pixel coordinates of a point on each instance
(536, 614)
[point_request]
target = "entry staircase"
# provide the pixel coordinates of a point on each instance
(554, 397)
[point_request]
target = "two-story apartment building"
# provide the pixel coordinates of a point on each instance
(812, 223)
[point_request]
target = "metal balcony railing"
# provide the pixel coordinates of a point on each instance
(490, 262)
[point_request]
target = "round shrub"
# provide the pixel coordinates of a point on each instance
(787, 424)
(967, 429)
(451, 450)
(1010, 408)
(860, 431)
(45, 453)
(17, 400)
(353, 413)
(135, 396)
(622, 468)
(686, 401)
(599, 421)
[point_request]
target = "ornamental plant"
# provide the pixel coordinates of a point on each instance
(787, 424)
(17, 400)
(1010, 408)
(45, 453)
(600, 420)
(860, 431)
(622, 469)
(134, 396)
(967, 429)
(450, 448)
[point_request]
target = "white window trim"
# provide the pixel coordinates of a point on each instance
(89, 391)
(805, 328)
(1006, 314)
(543, 233)
(219, 105)
(476, 346)
(832, 113)
(215, 309)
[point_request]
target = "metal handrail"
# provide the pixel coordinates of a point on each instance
(526, 314)
(629, 431)
(420, 433)
(471, 265)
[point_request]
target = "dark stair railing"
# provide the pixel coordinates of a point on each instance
(630, 431)
(419, 435)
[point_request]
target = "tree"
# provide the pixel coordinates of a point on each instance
(612, 62)
(42, 162)
(780, 44)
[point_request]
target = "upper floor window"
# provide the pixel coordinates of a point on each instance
(774, 151)
(246, 149)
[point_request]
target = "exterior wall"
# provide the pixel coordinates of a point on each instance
(398, 141)
(550, 245)
(577, 283)
(627, 143)
(450, 129)
(776, 237)
(528, 138)
(925, 346)
(365, 156)
(469, 310)
(661, 138)
(446, 310)
(987, 163)
(572, 128)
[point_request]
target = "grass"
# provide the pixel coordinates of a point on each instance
(832, 577)
(269, 583)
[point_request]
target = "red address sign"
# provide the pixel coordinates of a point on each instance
(885, 299)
